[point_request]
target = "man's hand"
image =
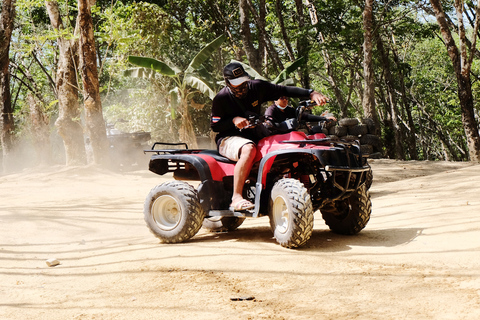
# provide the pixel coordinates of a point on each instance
(330, 119)
(319, 98)
(240, 122)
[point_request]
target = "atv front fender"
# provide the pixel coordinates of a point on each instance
(346, 169)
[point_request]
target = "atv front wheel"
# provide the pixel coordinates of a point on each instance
(291, 213)
(351, 215)
(172, 212)
(218, 224)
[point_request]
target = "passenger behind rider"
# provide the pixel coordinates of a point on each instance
(284, 116)
(231, 107)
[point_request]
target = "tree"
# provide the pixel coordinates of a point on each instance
(193, 76)
(368, 72)
(39, 130)
(94, 122)
(68, 121)
(462, 63)
(254, 56)
(6, 109)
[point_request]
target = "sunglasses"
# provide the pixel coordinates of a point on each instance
(283, 98)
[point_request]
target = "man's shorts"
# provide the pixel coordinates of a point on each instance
(230, 147)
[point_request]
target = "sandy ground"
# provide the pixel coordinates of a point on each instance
(418, 258)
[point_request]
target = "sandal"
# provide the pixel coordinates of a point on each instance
(242, 205)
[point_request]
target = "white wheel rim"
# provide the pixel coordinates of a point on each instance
(166, 212)
(280, 214)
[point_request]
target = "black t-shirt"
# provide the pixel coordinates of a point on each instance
(279, 115)
(225, 106)
(288, 113)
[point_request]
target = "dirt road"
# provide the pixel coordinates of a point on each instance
(418, 258)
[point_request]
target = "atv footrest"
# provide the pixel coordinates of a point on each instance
(229, 213)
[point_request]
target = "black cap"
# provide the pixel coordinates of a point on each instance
(235, 70)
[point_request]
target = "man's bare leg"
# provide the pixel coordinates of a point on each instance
(242, 169)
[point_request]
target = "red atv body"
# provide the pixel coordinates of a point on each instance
(294, 175)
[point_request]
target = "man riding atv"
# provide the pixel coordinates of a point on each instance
(231, 108)
(285, 176)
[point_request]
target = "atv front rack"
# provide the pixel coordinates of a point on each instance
(347, 179)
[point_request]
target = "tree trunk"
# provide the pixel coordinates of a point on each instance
(264, 38)
(6, 109)
(369, 89)
(187, 132)
(68, 121)
(388, 141)
(94, 122)
(40, 131)
(333, 83)
(462, 65)
(392, 101)
(253, 55)
(302, 45)
(288, 46)
(411, 139)
(436, 130)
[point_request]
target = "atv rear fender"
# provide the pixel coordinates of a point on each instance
(206, 166)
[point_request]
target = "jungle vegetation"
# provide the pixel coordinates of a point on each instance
(65, 70)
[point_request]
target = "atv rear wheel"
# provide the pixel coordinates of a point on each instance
(172, 212)
(219, 224)
(290, 213)
(351, 215)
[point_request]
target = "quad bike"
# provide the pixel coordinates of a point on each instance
(121, 145)
(294, 174)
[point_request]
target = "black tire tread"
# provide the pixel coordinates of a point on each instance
(356, 219)
(194, 216)
(302, 211)
(348, 122)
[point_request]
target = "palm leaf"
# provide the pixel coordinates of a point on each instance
(205, 53)
(153, 64)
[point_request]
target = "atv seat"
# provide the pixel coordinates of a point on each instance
(217, 156)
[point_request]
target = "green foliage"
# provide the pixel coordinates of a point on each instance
(190, 76)
(170, 33)
(153, 64)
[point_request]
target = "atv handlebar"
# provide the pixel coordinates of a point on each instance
(305, 105)
(289, 124)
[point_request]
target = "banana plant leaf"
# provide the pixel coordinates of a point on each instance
(200, 85)
(139, 73)
(252, 72)
(283, 76)
(153, 64)
(287, 82)
(205, 53)
(206, 76)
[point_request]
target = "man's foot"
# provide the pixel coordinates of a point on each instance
(241, 205)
